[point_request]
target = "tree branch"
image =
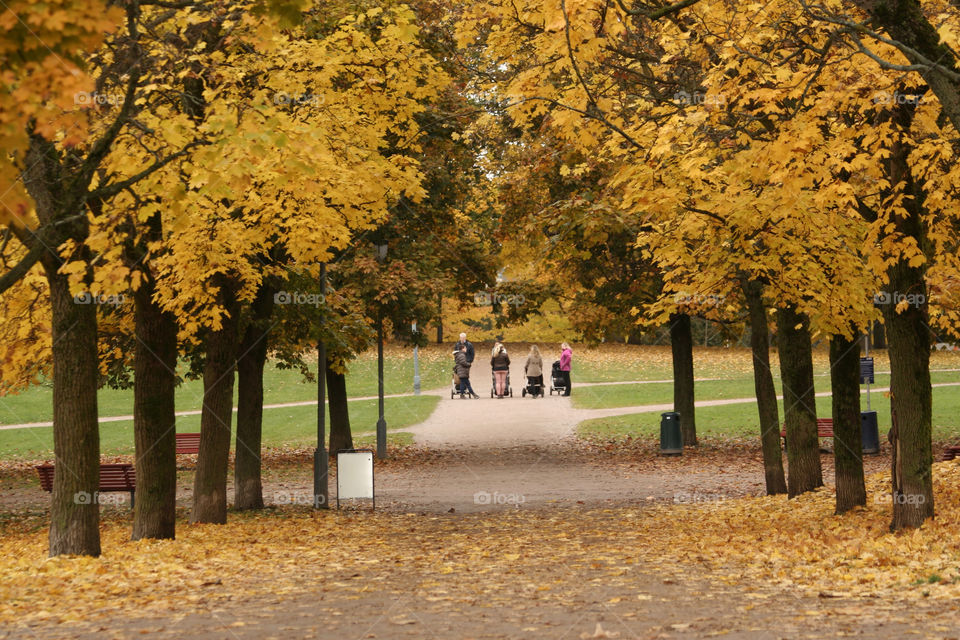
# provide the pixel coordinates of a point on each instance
(656, 14)
(108, 191)
(597, 115)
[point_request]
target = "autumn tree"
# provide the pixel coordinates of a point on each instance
(59, 147)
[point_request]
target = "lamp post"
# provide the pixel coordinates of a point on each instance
(416, 364)
(321, 461)
(381, 422)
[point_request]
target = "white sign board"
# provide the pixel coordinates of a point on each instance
(354, 475)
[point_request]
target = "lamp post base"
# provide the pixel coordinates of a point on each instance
(321, 486)
(382, 439)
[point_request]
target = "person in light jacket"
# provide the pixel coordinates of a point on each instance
(534, 370)
(500, 363)
(566, 361)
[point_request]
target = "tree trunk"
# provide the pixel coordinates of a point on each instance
(210, 480)
(908, 340)
(911, 401)
(248, 485)
(799, 402)
(154, 419)
(847, 439)
(766, 391)
(681, 344)
(440, 318)
(340, 435)
(74, 513)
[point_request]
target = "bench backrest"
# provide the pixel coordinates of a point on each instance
(45, 471)
(113, 477)
(117, 477)
(188, 443)
(825, 427)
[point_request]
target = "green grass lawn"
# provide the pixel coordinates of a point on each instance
(628, 395)
(614, 363)
(292, 426)
(280, 386)
(741, 420)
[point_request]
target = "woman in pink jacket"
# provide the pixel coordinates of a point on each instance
(566, 358)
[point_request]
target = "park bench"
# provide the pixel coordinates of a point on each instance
(824, 429)
(113, 477)
(950, 453)
(188, 443)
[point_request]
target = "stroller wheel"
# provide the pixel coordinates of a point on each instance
(524, 393)
(451, 395)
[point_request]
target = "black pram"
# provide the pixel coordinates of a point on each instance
(557, 382)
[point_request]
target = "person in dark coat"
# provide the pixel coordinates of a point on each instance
(462, 369)
(468, 345)
(500, 363)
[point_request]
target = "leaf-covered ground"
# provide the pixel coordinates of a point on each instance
(406, 573)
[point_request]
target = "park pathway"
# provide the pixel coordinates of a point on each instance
(491, 422)
(497, 422)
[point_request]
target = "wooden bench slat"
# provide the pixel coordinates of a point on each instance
(188, 443)
(950, 453)
(113, 477)
(824, 428)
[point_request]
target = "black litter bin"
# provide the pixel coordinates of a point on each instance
(869, 432)
(671, 438)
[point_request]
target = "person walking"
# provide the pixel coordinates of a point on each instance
(469, 346)
(500, 363)
(566, 360)
(462, 369)
(534, 371)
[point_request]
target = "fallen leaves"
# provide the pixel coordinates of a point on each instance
(766, 544)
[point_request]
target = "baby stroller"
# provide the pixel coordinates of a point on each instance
(508, 391)
(534, 387)
(557, 383)
(457, 390)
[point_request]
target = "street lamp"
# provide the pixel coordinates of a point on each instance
(416, 363)
(381, 422)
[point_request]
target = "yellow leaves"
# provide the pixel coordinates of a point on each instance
(798, 545)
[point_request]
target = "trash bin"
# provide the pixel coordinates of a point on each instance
(869, 433)
(671, 438)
